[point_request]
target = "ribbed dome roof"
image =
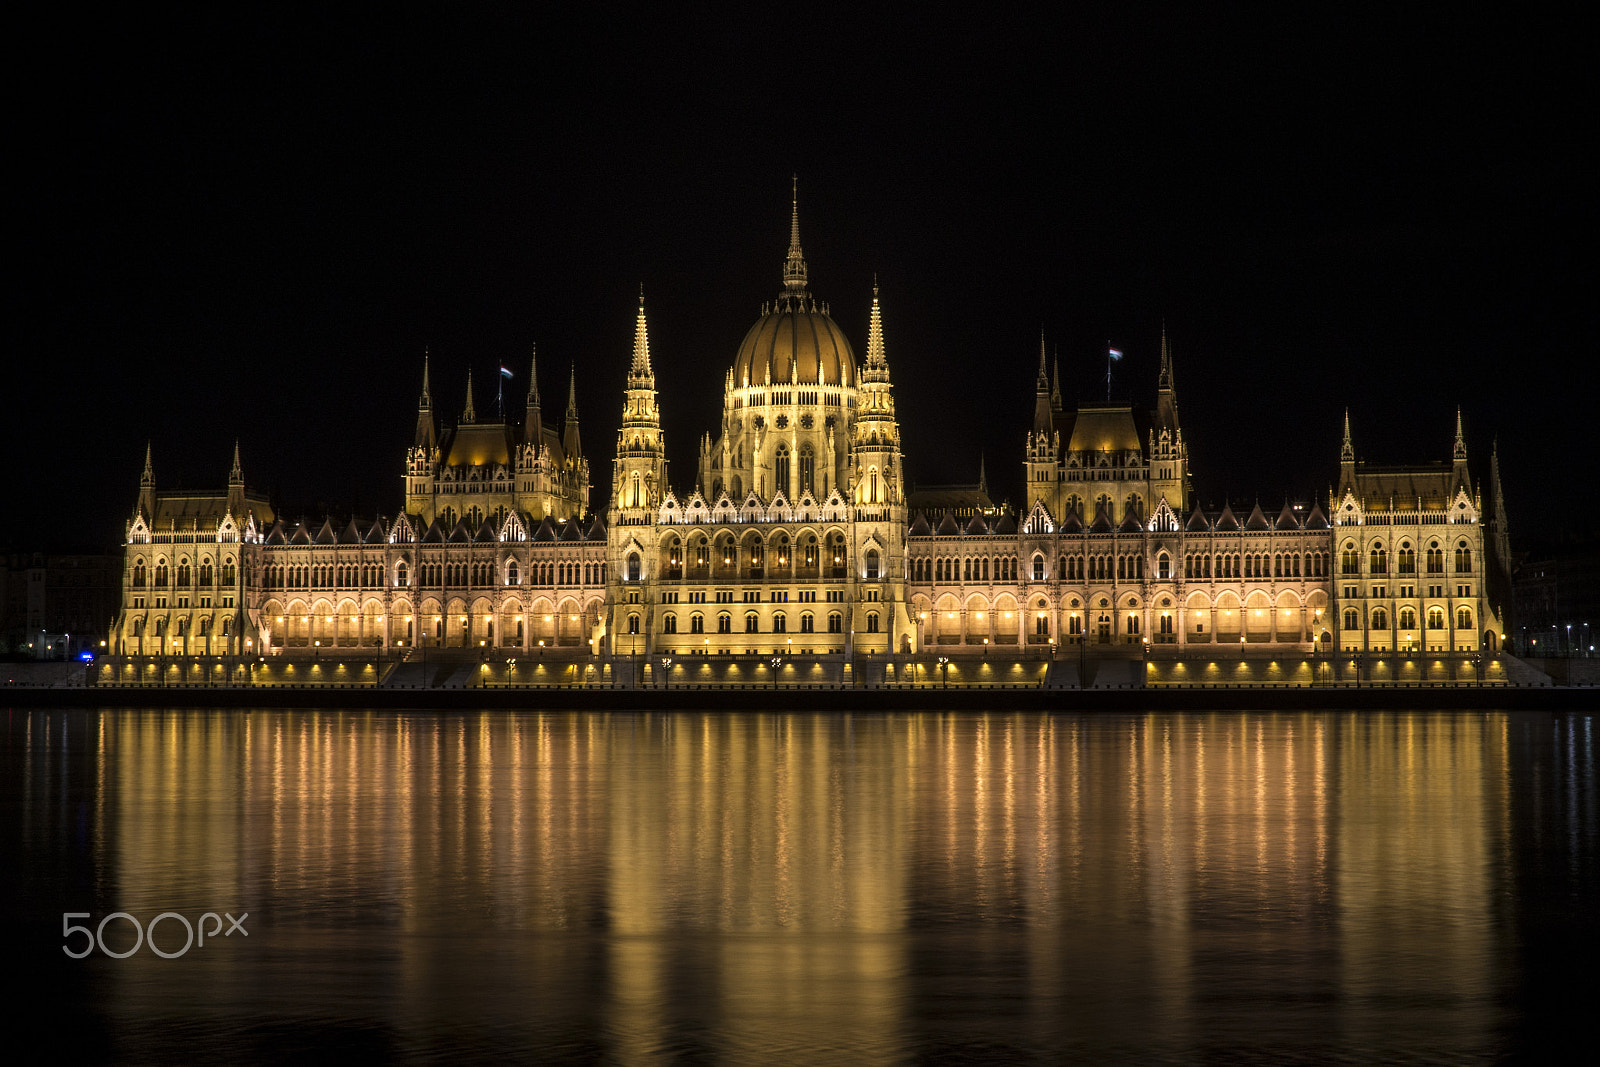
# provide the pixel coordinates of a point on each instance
(795, 343)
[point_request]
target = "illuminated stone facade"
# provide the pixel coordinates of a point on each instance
(798, 537)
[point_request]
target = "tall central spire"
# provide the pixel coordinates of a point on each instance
(794, 267)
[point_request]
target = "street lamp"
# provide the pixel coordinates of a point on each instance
(666, 671)
(777, 661)
(944, 671)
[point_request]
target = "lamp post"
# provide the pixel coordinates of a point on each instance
(666, 672)
(777, 661)
(944, 672)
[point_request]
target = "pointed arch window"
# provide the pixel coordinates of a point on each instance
(872, 564)
(138, 574)
(780, 470)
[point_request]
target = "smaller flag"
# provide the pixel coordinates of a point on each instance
(507, 372)
(1114, 353)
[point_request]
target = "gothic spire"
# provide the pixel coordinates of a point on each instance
(1042, 383)
(1055, 381)
(470, 415)
(426, 400)
(570, 443)
(875, 353)
(572, 393)
(1461, 438)
(533, 376)
(1164, 381)
(236, 474)
(641, 346)
(1347, 451)
(794, 267)
(149, 475)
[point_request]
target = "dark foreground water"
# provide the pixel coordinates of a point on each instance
(754, 888)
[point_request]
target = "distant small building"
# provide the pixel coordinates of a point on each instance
(1557, 602)
(56, 606)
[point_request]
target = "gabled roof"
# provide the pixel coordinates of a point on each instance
(1197, 521)
(461, 534)
(1101, 523)
(1130, 524)
(276, 536)
(1006, 525)
(350, 535)
(919, 526)
(571, 531)
(376, 534)
(546, 530)
(1287, 519)
(1316, 520)
(1257, 520)
(434, 535)
(1226, 521)
(948, 527)
(326, 534)
(488, 531)
(1071, 523)
(301, 535)
(976, 526)
(597, 530)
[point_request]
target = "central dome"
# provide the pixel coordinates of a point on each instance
(794, 343)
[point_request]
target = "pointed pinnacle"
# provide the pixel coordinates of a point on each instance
(876, 356)
(470, 415)
(641, 341)
(533, 375)
(572, 392)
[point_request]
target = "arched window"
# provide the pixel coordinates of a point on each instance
(808, 623)
(1038, 567)
(227, 627)
(633, 624)
(633, 566)
(513, 574)
(138, 627)
(780, 623)
(1463, 619)
(669, 624)
(400, 572)
(1349, 562)
(872, 564)
(1405, 560)
(1380, 619)
(1379, 560)
(1352, 619)
(1435, 558)
(161, 573)
(183, 571)
(1408, 619)
(1435, 618)
(724, 623)
(138, 574)
(205, 627)
(872, 622)
(1163, 567)
(697, 624)
(1463, 558)
(752, 623)
(808, 470)
(836, 623)
(206, 572)
(872, 485)
(780, 469)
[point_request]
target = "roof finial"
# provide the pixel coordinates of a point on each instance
(236, 474)
(427, 399)
(794, 267)
(1043, 381)
(469, 415)
(1347, 451)
(149, 475)
(1461, 437)
(533, 375)
(572, 393)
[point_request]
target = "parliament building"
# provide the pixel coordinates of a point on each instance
(798, 536)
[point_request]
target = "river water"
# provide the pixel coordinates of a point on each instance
(764, 888)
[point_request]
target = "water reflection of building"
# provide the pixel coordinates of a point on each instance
(736, 882)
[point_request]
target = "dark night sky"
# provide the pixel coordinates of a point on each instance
(250, 225)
